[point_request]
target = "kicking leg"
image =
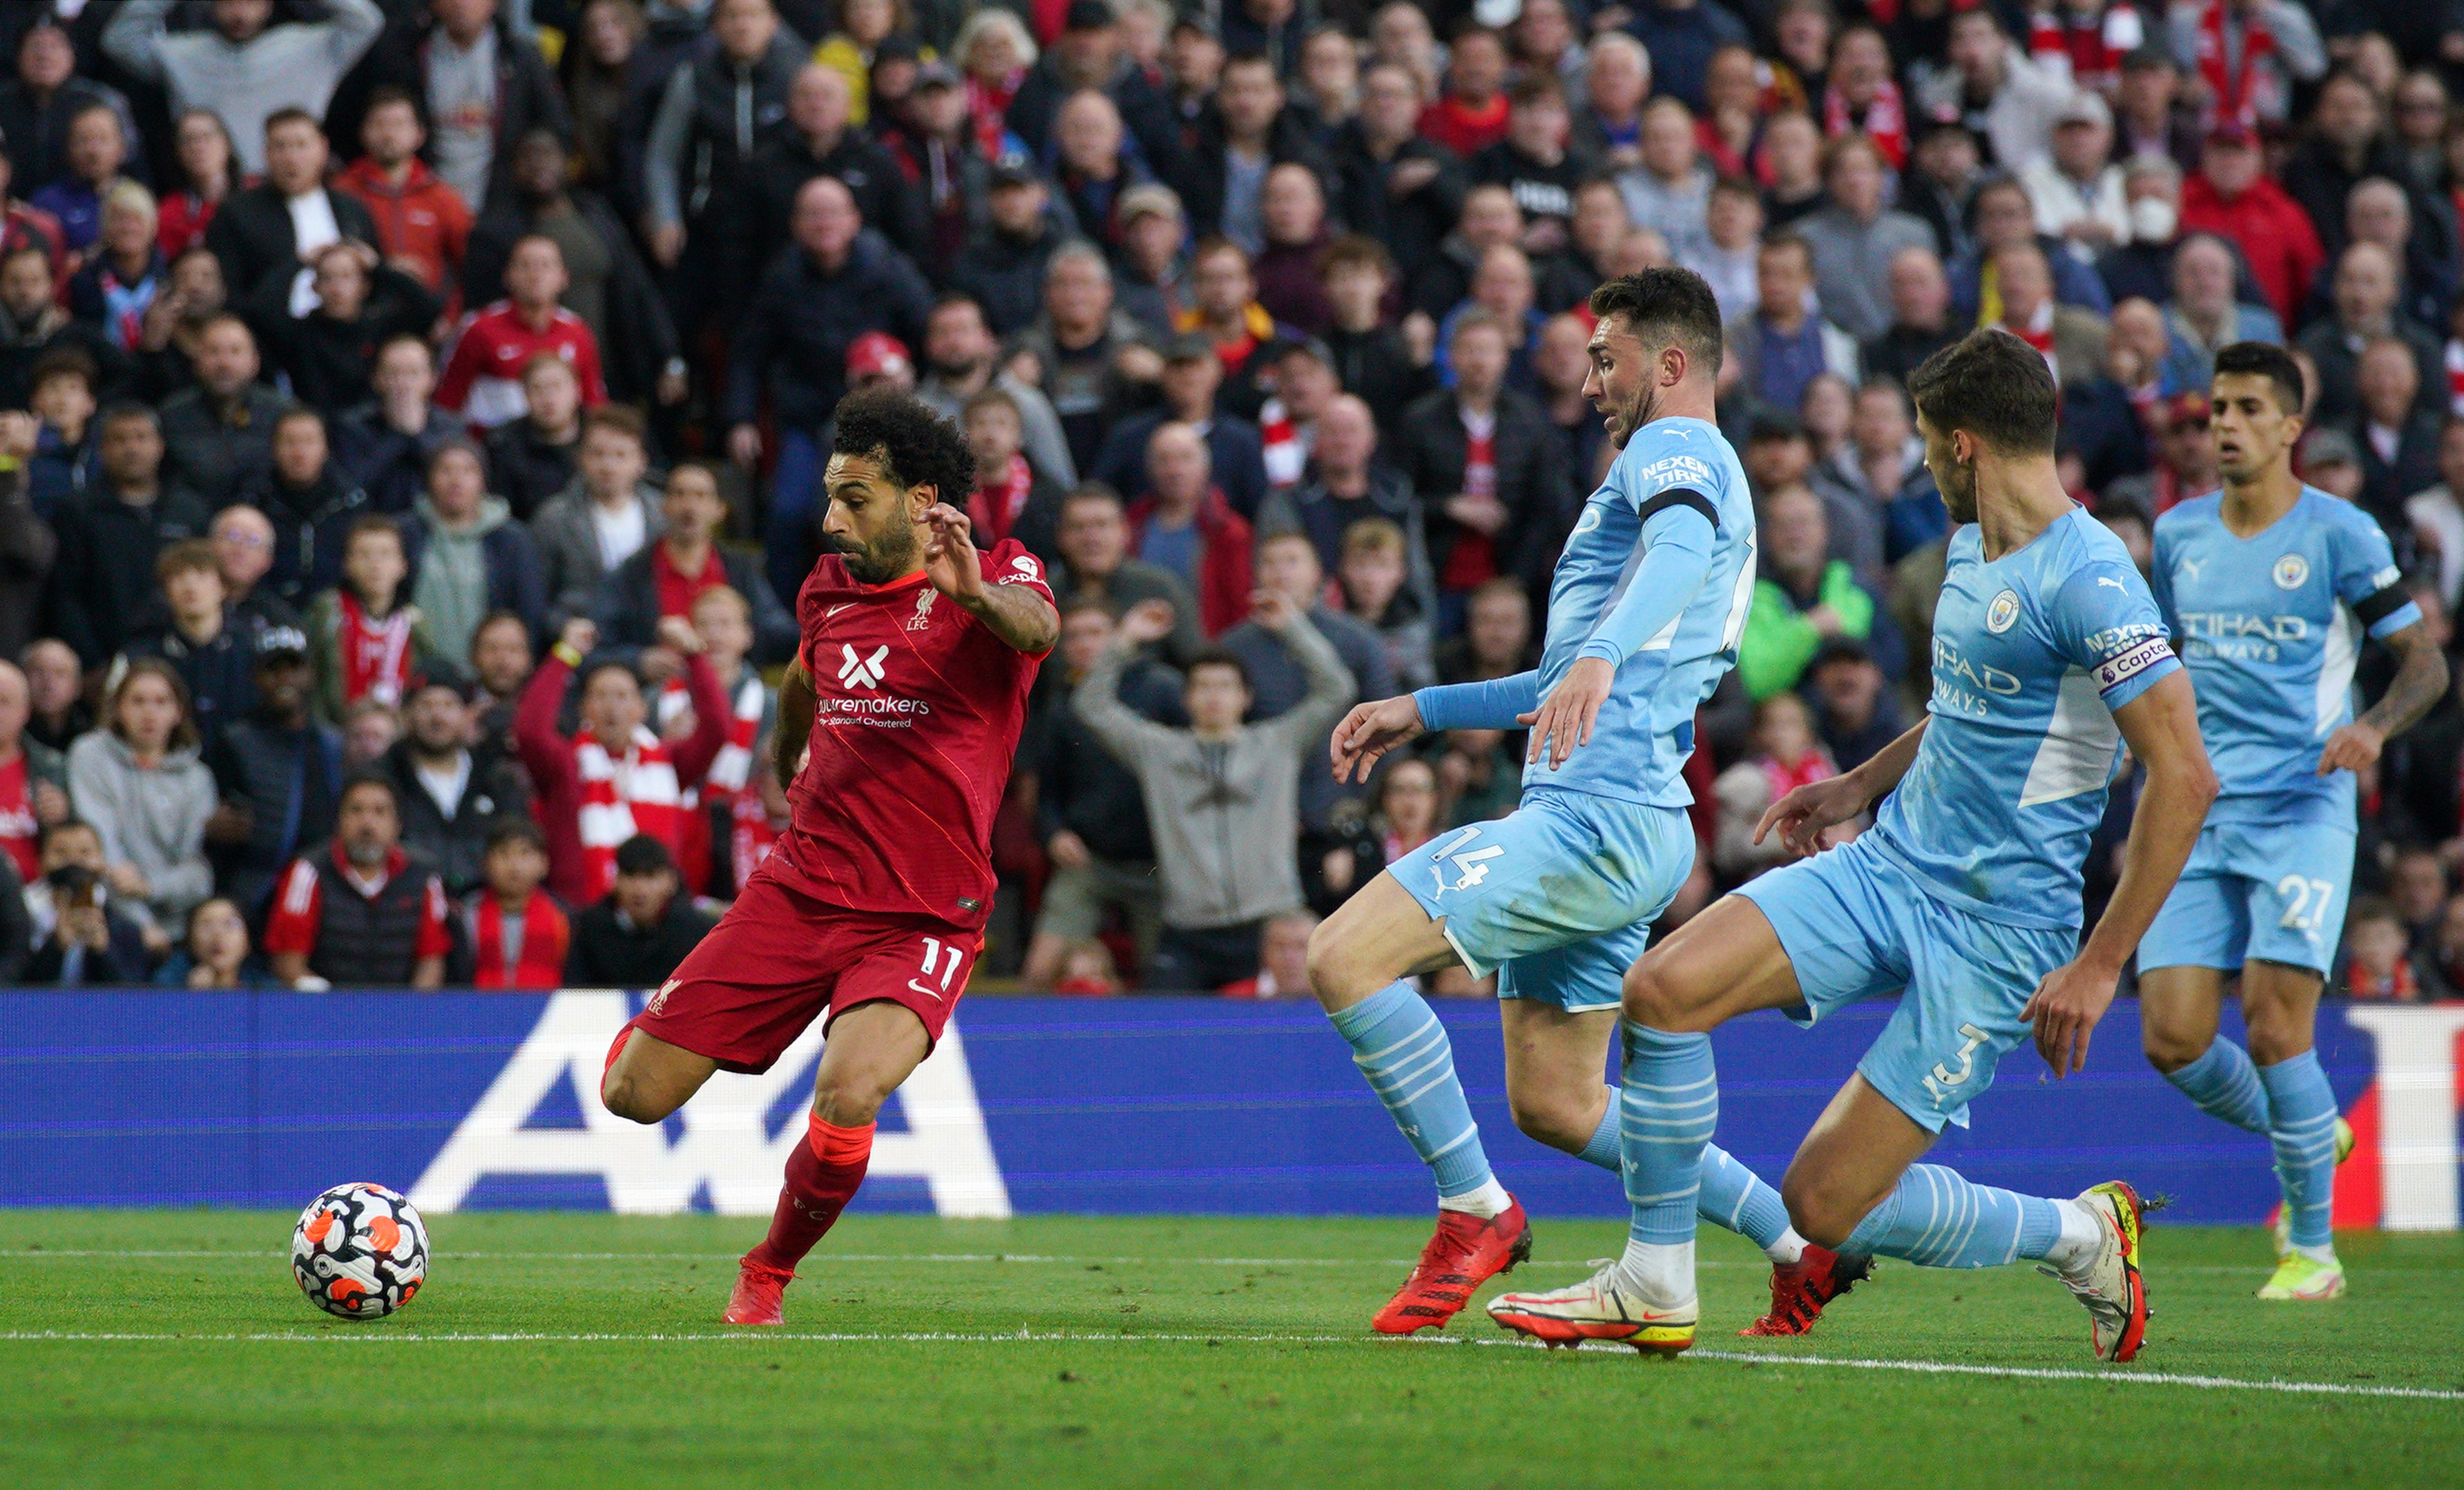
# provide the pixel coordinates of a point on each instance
(1726, 962)
(873, 1049)
(647, 1079)
(2281, 1005)
(2178, 1010)
(1856, 1184)
(1360, 960)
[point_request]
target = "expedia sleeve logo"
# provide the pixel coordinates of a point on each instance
(2114, 671)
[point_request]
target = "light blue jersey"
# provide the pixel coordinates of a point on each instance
(1646, 727)
(2269, 626)
(2031, 652)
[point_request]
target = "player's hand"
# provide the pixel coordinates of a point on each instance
(1147, 620)
(1372, 730)
(580, 636)
(1066, 850)
(2354, 747)
(1804, 814)
(950, 561)
(1564, 719)
(2065, 1009)
(677, 634)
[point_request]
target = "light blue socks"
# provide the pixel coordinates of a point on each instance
(1731, 1195)
(2302, 1107)
(2225, 1084)
(1399, 1045)
(1669, 1106)
(1935, 1218)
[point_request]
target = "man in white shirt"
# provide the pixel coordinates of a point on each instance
(2076, 189)
(451, 795)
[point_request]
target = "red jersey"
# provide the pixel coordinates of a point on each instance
(483, 380)
(18, 829)
(917, 717)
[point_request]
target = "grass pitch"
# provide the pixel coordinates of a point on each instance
(170, 1348)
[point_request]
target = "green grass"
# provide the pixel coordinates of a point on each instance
(1169, 1353)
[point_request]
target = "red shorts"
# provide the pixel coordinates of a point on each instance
(780, 958)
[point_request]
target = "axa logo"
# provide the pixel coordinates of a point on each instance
(1469, 866)
(858, 670)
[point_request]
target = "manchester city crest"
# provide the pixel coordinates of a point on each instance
(2290, 571)
(2003, 613)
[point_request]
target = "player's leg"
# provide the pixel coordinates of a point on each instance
(2281, 1005)
(2198, 938)
(646, 1077)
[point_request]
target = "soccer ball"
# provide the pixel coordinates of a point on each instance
(359, 1252)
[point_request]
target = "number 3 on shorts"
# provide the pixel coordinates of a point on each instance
(934, 948)
(2305, 905)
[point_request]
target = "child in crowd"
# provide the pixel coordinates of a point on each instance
(1372, 577)
(1086, 968)
(2378, 965)
(366, 642)
(518, 933)
(1787, 755)
(61, 392)
(1371, 357)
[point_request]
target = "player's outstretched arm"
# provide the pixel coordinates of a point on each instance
(1677, 532)
(796, 704)
(2420, 681)
(1803, 814)
(2162, 726)
(1018, 614)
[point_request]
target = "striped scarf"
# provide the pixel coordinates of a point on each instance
(622, 798)
(1285, 455)
(2237, 95)
(1886, 122)
(2455, 375)
(734, 766)
(376, 654)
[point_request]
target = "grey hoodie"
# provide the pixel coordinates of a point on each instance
(285, 66)
(453, 589)
(152, 819)
(1226, 813)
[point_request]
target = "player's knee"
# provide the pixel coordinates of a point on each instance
(632, 1100)
(1331, 972)
(2168, 1050)
(1551, 1119)
(1821, 1213)
(850, 1099)
(1656, 998)
(2273, 1041)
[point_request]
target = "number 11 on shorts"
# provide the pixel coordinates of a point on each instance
(934, 948)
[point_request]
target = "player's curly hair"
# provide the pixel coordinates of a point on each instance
(915, 446)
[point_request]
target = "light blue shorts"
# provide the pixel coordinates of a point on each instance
(2255, 892)
(1559, 896)
(1855, 926)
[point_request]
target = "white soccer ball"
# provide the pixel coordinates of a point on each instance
(359, 1252)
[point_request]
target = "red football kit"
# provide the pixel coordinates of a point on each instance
(880, 885)
(483, 380)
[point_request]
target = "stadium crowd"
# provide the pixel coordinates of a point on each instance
(415, 414)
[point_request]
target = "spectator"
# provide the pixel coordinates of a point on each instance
(2377, 967)
(56, 710)
(2204, 316)
(1237, 143)
(532, 458)
(839, 283)
(616, 778)
(310, 502)
(1608, 123)
(126, 271)
(214, 951)
(1185, 527)
(33, 782)
(1496, 640)
(469, 557)
(1482, 461)
(1011, 500)
(716, 111)
(370, 728)
(1670, 191)
(2185, 459)
(723, 619)
(2377, 210)
(1534, 163)
(1802, 600)
(1086, 354)
(1996, 89)
(330, 354)
(33, 325)
(607, 282)
(1731, 240)
(423, 224)
(1784, 345)
(2328, 461)
(360, 911)
(663, 577)
(2076, 189)
(1301, 373)
(2366, 311)
(602, 518)
(218, 436)
(139, 783)
(1882, 464)
(1192, 377)
(384, 444)
(1088, 813)
(2398, 439)
(2005, 220)
(1787, 755)
(819, 142)
(1374, 573)
(1681, 36)
(1920, 317)
(500, 664)
(483, 81)
(109, 540)
(243, 545)
(1009, 256)
(210, 646)
(2233, 198)
(2436, 513)
(62, 463)
(636, 936)
(1294, 210)
(244, 70)
(518, 935)
(482, 379)
(2346, 144)
(2071, 340)
(26, 226)
(267, 232)
(1396, 186)
(2139, 263)
(1216, 785)
(1089, 54)
(367, 638)
(1153, 281)
(453, 796)
(96, 150)
(1406, 809)
(1371, 359)
(1278, 679)
(202, 148)
(1228, 311)
(40, 105)
(961, 357)
(1853, 712)
(1856, 241)
(78, 935)
(1094, 541)
(1347, 486)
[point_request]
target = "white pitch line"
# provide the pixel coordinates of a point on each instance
(1069, 1337)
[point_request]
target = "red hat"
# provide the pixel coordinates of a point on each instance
(876, 354)
(2231, 131)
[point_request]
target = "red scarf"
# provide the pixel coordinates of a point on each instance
(545, 934)
(637, 794)
(988, 108)
(994, 507)
(18, 829)
(728, 773)
(2455, 375)
(376, 654)
(2237, 95)
(1787, 777)
(1886, 122)
(1286, 456)
(2092, 46)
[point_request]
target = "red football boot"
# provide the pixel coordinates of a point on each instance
(1800, 1289)
(1465, 1253)
(757, 1295)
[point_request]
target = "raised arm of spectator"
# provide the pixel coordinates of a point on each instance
(545, 752)
(1130, 736)
(663, 162)
(134, 37)
(712, 716)
(1332, 688)
(29, 547)
(350, 29)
